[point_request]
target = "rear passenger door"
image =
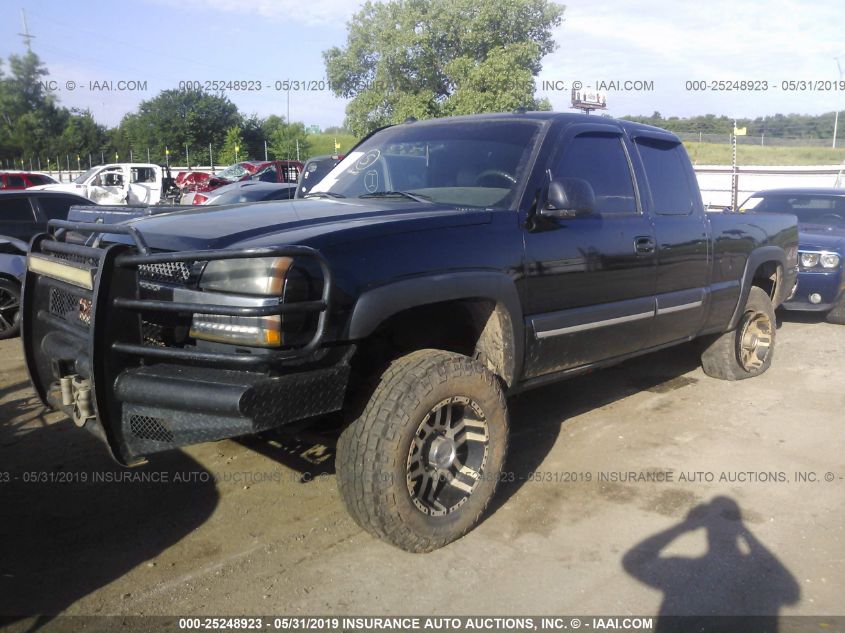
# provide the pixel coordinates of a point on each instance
(591, 279)
(682, 231)
(17, 217)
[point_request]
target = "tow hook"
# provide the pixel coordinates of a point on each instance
(76, 392)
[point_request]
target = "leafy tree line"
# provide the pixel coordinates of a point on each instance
(33, 125)
(800, 126)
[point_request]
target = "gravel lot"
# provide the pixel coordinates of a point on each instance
(257, 526)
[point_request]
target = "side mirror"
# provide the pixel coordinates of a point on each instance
(568, 198)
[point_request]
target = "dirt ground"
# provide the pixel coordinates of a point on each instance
(642, 489)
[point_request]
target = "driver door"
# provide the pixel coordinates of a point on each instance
(108, 186)
(590, 280)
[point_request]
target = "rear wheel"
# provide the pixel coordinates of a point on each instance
(420, 465)
(747, 350)
(10, 309)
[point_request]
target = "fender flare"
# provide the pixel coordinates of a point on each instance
(758, 257)
(12, 267)
(374, 306)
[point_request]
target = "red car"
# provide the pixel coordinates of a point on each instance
(264, 170)
(23, 180)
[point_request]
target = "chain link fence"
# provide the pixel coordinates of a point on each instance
(66, 167)
(753, 139)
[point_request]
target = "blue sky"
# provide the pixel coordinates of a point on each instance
(164, 42)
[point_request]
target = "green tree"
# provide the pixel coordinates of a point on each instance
(233, 149)
(176, 118)
(83, 136)
(284, 138)
(30, 119)
(426, 58)
(252, 132)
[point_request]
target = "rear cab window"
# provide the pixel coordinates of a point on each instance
(667, 175)
(142, 175)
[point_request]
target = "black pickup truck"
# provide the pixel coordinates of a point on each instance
(440, 267)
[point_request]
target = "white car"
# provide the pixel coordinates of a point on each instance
(119, 183)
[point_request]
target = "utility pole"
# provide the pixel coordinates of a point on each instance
(836, 116)
(734, 175)
(26, 36)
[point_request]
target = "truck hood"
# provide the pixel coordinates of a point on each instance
(67, 187)
(822, 237)
(295, 221)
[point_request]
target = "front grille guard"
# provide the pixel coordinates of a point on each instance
(145, 256)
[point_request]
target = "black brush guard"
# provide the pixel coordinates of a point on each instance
(146, 398)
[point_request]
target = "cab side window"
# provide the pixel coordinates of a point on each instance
(667, 176)
(600, 159)
(142, 175)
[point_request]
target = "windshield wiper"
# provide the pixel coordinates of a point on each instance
(323, 194)
(416, 197)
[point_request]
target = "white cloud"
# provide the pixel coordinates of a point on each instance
(311, 13)
(672, 42)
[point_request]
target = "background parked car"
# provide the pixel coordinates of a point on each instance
(246, 191)
(12, 269)
(821, 247)
(16, 180)
(266, 171)
(25, 213)
(121, 183)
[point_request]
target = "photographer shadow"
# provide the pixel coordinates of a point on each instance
(736, 585)
(72, 521)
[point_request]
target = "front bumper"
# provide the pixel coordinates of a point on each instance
(87, 355)
(827, 285)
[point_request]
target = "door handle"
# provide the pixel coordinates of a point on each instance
(644, 245)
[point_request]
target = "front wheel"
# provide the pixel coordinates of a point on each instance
(747, 350)
(420, 465)
(10, 309)
(837, 314)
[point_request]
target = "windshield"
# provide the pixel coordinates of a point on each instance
(315, 170)
(80, 180)
(233, 172)
(810, 209)
(462, 163)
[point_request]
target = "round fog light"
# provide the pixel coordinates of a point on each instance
(815, 298)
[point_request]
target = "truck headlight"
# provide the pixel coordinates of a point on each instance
(829, 260)
(235, 330)
(263, 276)
(809, 260)
(249, 276)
